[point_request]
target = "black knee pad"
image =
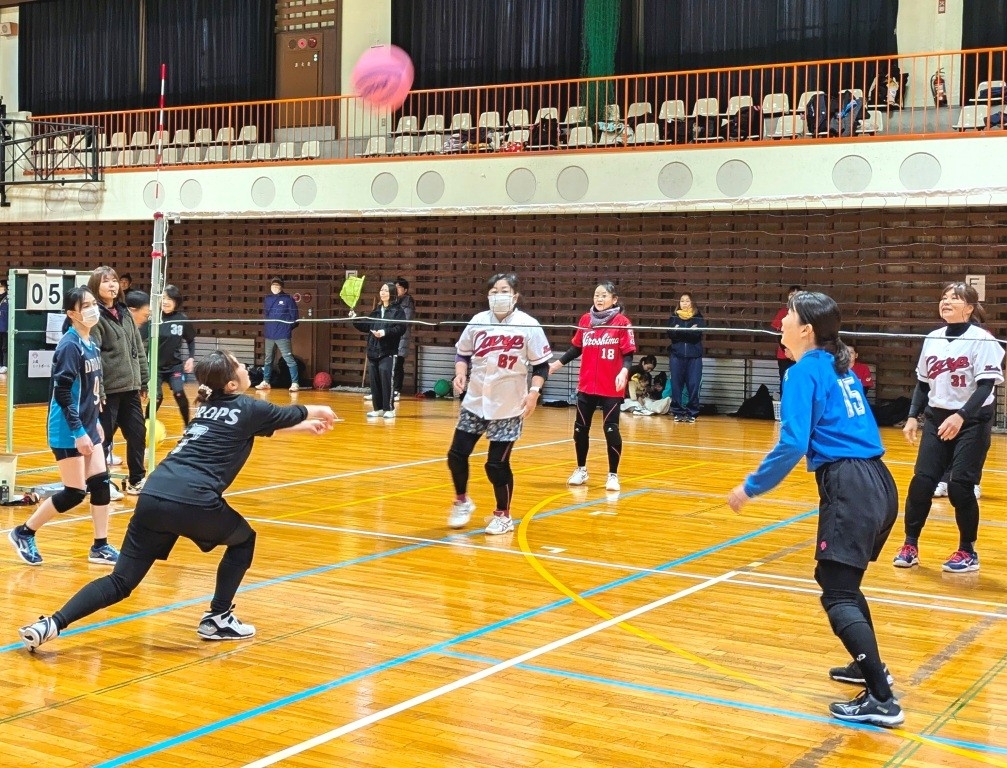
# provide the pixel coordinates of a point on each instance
(499, 473)
(961, 494)
(842, 614)
(579, 430)
(240, 555)
(97, 486)
(921, 490)
(67, 499)
(612, 431)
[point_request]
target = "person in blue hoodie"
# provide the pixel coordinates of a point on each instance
(824, 416)
(280, 311)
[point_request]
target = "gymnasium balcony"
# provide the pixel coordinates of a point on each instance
(920, 131)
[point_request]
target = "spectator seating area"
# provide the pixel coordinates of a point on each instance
(589, 114)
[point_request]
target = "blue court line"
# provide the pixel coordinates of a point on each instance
(699, 698)
(435, 648)
(293, 576)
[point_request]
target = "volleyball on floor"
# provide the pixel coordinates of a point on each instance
(322, 380)
(159, 431)
(383, 76)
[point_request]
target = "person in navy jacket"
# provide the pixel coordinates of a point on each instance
(280, 311)
(824, 416)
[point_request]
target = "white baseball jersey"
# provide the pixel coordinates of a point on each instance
(953, 366)
(502, 352)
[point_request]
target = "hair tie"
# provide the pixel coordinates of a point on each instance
(204, 390)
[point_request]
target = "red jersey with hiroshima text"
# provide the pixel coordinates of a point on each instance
(953, 366)
(502, 354)
(602, 350)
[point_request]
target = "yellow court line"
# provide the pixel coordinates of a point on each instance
(522, 535)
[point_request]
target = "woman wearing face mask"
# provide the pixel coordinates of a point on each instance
(75, 434)
(685, 358)
(502, 345)
(605, 337)
(959, 366)
(384, 327)
(824, 416)
(124, 374)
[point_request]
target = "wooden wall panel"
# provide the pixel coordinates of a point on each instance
(884, 267)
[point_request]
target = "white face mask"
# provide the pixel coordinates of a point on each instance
(89, 316)
(501, 303)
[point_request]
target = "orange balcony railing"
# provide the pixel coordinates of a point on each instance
(951, 94)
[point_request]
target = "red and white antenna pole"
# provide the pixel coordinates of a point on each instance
(157, 251)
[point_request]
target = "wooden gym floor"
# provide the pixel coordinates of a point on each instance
(651, 627)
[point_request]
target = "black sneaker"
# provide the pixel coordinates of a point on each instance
(866, 709)
(851, 674)
(224, 626)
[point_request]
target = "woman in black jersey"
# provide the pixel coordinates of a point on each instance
(184, 497)
(176, 348)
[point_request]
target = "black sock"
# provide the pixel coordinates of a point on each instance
(860, 641)
(24, 530)
(100, 542)
(967, 546)
(913, 540)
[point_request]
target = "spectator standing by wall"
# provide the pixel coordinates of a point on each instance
(408, 306)
(685, 358)
(280, 311)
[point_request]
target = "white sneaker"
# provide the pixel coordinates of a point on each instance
(612, 484)
(375, 414)
(579, 476)
(979, 491)
(367, 397)
(114, 460)
(396, 397)
(642, 412)
(224, 626)
(461, 512)
(294, 388)
(390, 414)
(263, 385)
(3, 369)
(499, 524)
(941, 491)
(114, 494)
(33, 635)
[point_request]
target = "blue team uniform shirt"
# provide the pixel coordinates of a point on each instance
(76, 371)
(823, 416)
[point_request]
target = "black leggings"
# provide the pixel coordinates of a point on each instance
(173, 377)
(850, 617)
(152, 532)
(498, 468)
(586, 405)
(123, 410)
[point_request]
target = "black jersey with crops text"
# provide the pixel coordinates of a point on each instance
(215, 446)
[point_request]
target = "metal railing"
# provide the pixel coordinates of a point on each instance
(948, 94)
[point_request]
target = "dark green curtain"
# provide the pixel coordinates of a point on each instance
(599, 42)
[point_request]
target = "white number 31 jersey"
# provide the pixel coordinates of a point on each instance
(953, 366)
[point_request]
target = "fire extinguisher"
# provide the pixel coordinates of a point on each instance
(938, 90)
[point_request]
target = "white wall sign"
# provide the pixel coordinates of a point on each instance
(40, 363)
(979, 283)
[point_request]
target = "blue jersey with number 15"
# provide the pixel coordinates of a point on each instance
(74, 394)
(824, 416)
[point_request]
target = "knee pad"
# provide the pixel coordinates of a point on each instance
(612, 431)
(842, 614)
(97, 486)
(580, 432)
(240, 555)
(961, 494)
(921, 490)
(457, 460)
(67, 499)
(499, 473)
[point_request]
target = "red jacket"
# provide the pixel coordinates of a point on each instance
(781, 352)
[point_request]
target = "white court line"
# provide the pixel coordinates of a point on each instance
(358, 472)
(480, 675)
(760, 452)
(465, 543)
